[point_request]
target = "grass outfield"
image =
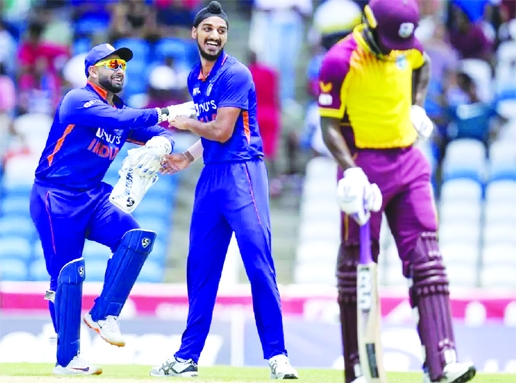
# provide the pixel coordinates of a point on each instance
(25, 372)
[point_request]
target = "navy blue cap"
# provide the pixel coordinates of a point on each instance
(102, 51)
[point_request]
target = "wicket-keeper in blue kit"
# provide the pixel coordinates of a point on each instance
(69, 203)
(231, 196)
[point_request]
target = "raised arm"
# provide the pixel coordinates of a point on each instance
(79, 107)
(221, 129)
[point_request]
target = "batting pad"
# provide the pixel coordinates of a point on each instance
(122, 271)
(348, 260)
(430, 294)
(67, 304)
(50, 296)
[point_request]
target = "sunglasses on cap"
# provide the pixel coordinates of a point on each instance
(113, 64)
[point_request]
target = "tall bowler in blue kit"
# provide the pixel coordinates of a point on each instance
(70, 203)
(231, 196)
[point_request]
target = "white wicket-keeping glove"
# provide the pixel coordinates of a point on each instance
(421, 122)
(185, 109)
(357, 197)
(147, 159)
(131, 187)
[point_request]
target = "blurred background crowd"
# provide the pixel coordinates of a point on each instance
(472, 100)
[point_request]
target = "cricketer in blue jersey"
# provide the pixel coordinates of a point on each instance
(231, 196)
(70, 203)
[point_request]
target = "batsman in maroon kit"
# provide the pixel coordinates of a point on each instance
(373, 85)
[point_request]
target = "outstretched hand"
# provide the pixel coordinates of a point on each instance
(174, 163)
(179, 122)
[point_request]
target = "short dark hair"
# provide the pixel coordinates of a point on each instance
(35, 28)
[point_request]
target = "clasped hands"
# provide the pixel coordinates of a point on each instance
(155, 156)
(357, 197)
(179, 115)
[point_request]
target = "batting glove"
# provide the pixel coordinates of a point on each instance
(357, 197)
(421, 122)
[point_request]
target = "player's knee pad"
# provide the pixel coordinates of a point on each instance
(427, 269)
(348, 259)
(347, 263)
(430, 294)
(50, 296)
(67, 304)
(122, 271)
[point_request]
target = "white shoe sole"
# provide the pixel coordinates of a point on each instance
(95, 327)
(464, 376)
(92, 370)
(189, 374)
(285, 376)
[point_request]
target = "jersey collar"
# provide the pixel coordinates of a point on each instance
(218, 64)
(100, 91)
(103, 94)
(361, 42)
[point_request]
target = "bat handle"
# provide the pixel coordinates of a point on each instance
(365, 244)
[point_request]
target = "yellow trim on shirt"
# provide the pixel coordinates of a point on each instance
(417, 58)
(331, 113)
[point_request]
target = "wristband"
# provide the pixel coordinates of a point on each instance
(163, 114)
(189, 156)
(160, 115)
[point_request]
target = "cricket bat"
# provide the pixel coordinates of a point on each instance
(369, 315)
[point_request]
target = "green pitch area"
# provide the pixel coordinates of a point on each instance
(41, 373)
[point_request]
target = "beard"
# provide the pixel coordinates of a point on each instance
(108, 84)
(208, 56)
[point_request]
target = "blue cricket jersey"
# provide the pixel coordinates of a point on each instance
(229, 84)
(87, 134)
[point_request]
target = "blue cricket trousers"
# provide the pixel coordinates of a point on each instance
(64, 219)
(231, 197)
